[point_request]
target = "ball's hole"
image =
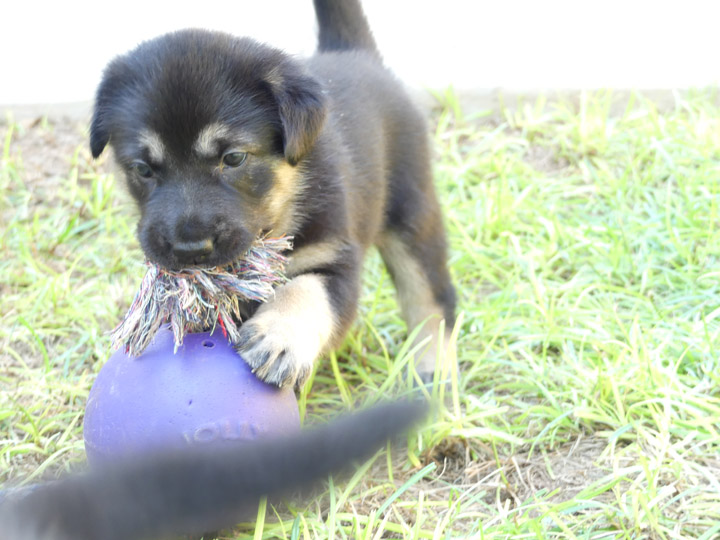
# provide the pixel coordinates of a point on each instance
(208, 344)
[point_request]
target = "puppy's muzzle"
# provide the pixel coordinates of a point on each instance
(195, 251)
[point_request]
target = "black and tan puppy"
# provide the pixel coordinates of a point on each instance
(221, 139)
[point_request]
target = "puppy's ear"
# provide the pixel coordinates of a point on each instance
(99, 131)
(116, 79)
(99, 134)
(301, 105)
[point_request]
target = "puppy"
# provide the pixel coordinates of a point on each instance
(196, 490)
(222, 139)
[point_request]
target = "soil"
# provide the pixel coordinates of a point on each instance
(47, 147)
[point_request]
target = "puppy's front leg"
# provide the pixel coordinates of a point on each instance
(307, 316)
(284, 337)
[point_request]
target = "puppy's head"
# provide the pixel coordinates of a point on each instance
(209, 130)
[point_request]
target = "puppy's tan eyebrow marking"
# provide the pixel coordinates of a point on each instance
(154, 145)
(206, 143)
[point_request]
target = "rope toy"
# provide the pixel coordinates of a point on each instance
(197, 299)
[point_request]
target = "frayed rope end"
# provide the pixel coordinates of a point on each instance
(198, 299)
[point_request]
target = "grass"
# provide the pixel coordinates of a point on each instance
(585, 246)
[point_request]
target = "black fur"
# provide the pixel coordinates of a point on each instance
(197, 490)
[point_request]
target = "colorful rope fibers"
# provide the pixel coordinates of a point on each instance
(199, 299)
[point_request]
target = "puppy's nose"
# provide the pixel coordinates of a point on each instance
(193, 250)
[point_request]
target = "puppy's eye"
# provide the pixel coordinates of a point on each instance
(142, 169)
(234, 159)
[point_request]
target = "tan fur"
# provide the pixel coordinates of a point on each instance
(313, 256)
(417, 304)
(274, 77)
(206, 142)
(279, 203)
(154, 145)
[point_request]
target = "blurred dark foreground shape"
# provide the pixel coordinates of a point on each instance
(201, 489)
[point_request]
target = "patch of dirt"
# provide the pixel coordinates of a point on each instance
(45, 150)
(566, 471)
(451, 457)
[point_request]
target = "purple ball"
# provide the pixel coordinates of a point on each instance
(204, 393)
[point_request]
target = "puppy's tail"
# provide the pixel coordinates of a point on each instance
(343, 27)
(198, 490)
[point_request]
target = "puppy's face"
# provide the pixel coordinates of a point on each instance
(208, 130)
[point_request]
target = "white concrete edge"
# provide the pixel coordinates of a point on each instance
(471, 101)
